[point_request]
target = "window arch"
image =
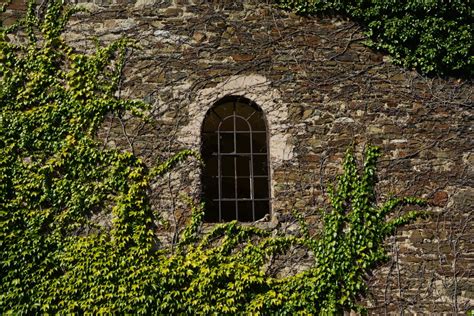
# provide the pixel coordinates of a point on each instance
(235, 177)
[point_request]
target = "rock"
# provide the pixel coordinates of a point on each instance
(242, 57)
(198, 37)
(440, 198)
(173, 12)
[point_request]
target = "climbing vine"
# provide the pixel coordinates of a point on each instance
(55, 180)
(435, 37)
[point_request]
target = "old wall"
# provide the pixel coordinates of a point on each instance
(321, 90)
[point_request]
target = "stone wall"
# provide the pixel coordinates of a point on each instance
(322, 90)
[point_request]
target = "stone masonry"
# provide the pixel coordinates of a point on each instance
(321, 90)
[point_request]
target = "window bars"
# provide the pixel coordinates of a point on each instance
(235, 179)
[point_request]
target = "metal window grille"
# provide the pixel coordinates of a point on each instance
(235, 181)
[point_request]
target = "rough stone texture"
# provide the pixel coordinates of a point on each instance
(321, 91)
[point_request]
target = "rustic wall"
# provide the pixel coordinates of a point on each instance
(321, 90)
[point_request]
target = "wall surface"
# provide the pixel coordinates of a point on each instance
(321, 90)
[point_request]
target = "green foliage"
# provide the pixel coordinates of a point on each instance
(54, 178)
(434, 36)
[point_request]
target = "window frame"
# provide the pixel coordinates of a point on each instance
(260, 201)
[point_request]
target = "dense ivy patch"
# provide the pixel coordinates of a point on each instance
(435, 36)
(55, 180)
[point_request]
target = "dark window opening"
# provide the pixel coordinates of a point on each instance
(235, 181)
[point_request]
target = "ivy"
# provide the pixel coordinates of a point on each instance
(434, 37)
(55, 180)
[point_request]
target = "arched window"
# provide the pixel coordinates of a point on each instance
(235, 181)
